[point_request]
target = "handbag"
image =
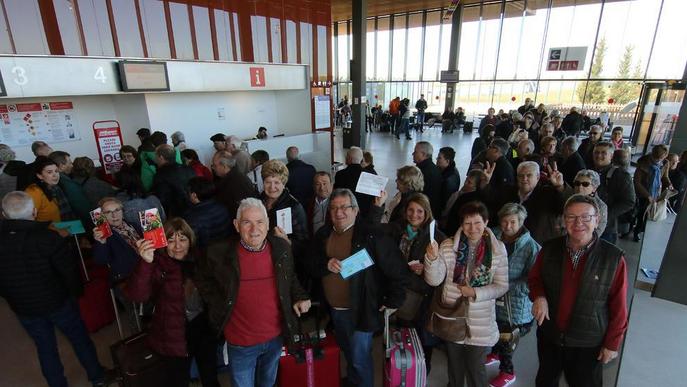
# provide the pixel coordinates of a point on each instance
(411, 305)
(509, 335)
(657, 210)
(448, 322)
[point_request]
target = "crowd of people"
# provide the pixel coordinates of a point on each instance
(526, 242)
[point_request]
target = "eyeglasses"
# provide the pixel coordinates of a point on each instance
(110, 213)
(585, 184)
(340, 208)
(586, 218)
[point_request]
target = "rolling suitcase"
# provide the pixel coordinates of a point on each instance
(137, 365)
(95, 305)
(404, 363)
(467, 127)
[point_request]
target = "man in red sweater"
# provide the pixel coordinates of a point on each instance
(253, 296)
(579, 288)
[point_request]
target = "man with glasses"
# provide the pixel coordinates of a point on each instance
(358, 301)
(616, 189)
(578, 286)
(586, 148)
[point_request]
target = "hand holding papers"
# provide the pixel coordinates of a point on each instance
(371, 184)
(284, 220)
(355, 263)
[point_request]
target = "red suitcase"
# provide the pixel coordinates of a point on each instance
(95, 305)
(314, 366)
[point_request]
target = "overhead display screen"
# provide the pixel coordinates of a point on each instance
(139, 76)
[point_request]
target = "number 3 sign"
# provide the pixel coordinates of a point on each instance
(257, 77)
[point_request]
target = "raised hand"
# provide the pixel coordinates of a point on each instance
(381, 199)
(489, 171)
(146, 250)
(555, 177)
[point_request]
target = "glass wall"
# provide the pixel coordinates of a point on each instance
(590, 54)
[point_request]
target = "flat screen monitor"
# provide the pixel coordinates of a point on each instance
(143, 76)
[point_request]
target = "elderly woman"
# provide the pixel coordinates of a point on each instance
(179, 328)
(276, 197)
(586, 182)
(413, 237)
(471, 272)
(408, 180)
(522, 251)
(48, 198)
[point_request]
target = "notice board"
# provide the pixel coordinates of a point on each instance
(52, 122)
(108, 138)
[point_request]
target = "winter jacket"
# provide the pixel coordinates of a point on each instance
(569, 168)
(94, 189)
(481, 314)
(77, 198)
(201, 170)
(642, 177)
(300, 182)
(382, 284)
(209, 220)
(617, 191)
(432, 177)
(572, 124)
(38, 268)
(217, 278)
(520, 261)
(169, 185)
(162, 282)
(118, 254)
(46, 210)
(450, 183)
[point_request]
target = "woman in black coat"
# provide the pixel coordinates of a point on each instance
(450, 178)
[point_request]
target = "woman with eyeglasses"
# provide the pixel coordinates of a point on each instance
(586, 183)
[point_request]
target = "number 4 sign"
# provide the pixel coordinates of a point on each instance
(257, 77)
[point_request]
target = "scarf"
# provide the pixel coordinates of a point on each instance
(480, 261)
(62, 203)
(128, 233)
(655, 180)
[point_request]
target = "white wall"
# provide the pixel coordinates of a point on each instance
(132, 115)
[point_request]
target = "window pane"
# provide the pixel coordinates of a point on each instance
(306, 45)
(383, 36)
(5, 44)
(559, 93)
(468, 43)
(69, 30)
(511, 39)
(128, 34)
(96, 27)
(275, 29)
(668, 60)
(529, 53)
(27, 27)
(201, 20)
(322, 53)
(445, 46)
(291, 42)
(431, 55)
(155, 28)
(573, 26)
(181, 26)
(488, 41)
(259, 29)
(237, 40)
(223, 35)
(414, 47)
(370, 50)
(399, 48)
(342, 51)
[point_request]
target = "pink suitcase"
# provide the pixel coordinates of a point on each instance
(404, 365)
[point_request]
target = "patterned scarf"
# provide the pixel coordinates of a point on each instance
(481, 262)
(655, 182)
(127, 232)
(62, 203)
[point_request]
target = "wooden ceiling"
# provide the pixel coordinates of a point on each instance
(341, 9)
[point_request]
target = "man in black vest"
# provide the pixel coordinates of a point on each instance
(579, 288)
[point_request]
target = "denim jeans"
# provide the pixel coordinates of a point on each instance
(420, 119)
(255, 365)
(68, 320)
(356, 346)
(403, 128)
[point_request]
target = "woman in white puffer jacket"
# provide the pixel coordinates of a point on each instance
(472, 264)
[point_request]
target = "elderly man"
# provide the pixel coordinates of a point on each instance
(357, 302)
(578, 285)
(253, 296)
(301, 176)
(234, 143)
(616, 189)
(572, 160)
(39, 279)
(232, 186)
(544, 202)
(317, 209)
(348, 178)
(169, 182)
(529, 105)
(422, 157)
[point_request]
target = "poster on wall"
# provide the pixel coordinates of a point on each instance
(322, 116)
(52, 122)
(108, 138)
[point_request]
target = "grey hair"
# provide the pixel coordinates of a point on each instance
(344, 192)
(595, 126)
(178, 137)
(514, 209)
(529, 165)
(516, 116)
(571, 142)
(251, 203)
(226, 159)
(549, 125)
(235, 141)
(501, 144)
(592, 175)
(412, 177)
(425, 147)
(530, 144)
(6, 153)
(18, 205)
(355, 154)
(584, 199)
